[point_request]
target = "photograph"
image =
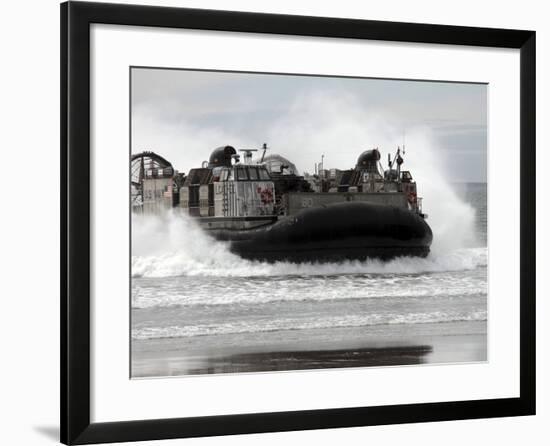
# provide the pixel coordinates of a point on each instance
(297, 222)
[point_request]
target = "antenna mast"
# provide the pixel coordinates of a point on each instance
(264, 147)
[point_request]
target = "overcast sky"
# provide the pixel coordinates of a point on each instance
(183, 115)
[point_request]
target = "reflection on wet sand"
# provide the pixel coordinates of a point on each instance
(322, 359)
(383, 345)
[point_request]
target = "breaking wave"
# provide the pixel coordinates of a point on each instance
(174, 245)
(302, 289)
(267, 325)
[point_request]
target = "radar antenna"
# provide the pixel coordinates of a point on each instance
(248, 155)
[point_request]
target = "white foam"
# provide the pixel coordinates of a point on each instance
(267, 325)
(174, 245)
(185, 291)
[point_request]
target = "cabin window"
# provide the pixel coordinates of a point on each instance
(263, 174)
(224, 175)
(253, 173)
(241, 173)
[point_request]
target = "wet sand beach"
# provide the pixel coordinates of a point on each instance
(282, 350)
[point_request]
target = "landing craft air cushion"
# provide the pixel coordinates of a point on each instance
(267, 211)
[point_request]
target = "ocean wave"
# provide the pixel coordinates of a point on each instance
(184, 263)
(305, 289)
(350, 321)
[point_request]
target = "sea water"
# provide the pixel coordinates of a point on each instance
(185, 285)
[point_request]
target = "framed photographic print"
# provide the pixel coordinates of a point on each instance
(275, 223)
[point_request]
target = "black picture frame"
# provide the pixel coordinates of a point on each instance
(76, 18)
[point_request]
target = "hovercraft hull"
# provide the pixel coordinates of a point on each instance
(342, 231)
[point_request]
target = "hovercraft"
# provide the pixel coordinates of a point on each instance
(267, 211)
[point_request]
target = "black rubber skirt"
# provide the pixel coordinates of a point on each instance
(343, 231)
